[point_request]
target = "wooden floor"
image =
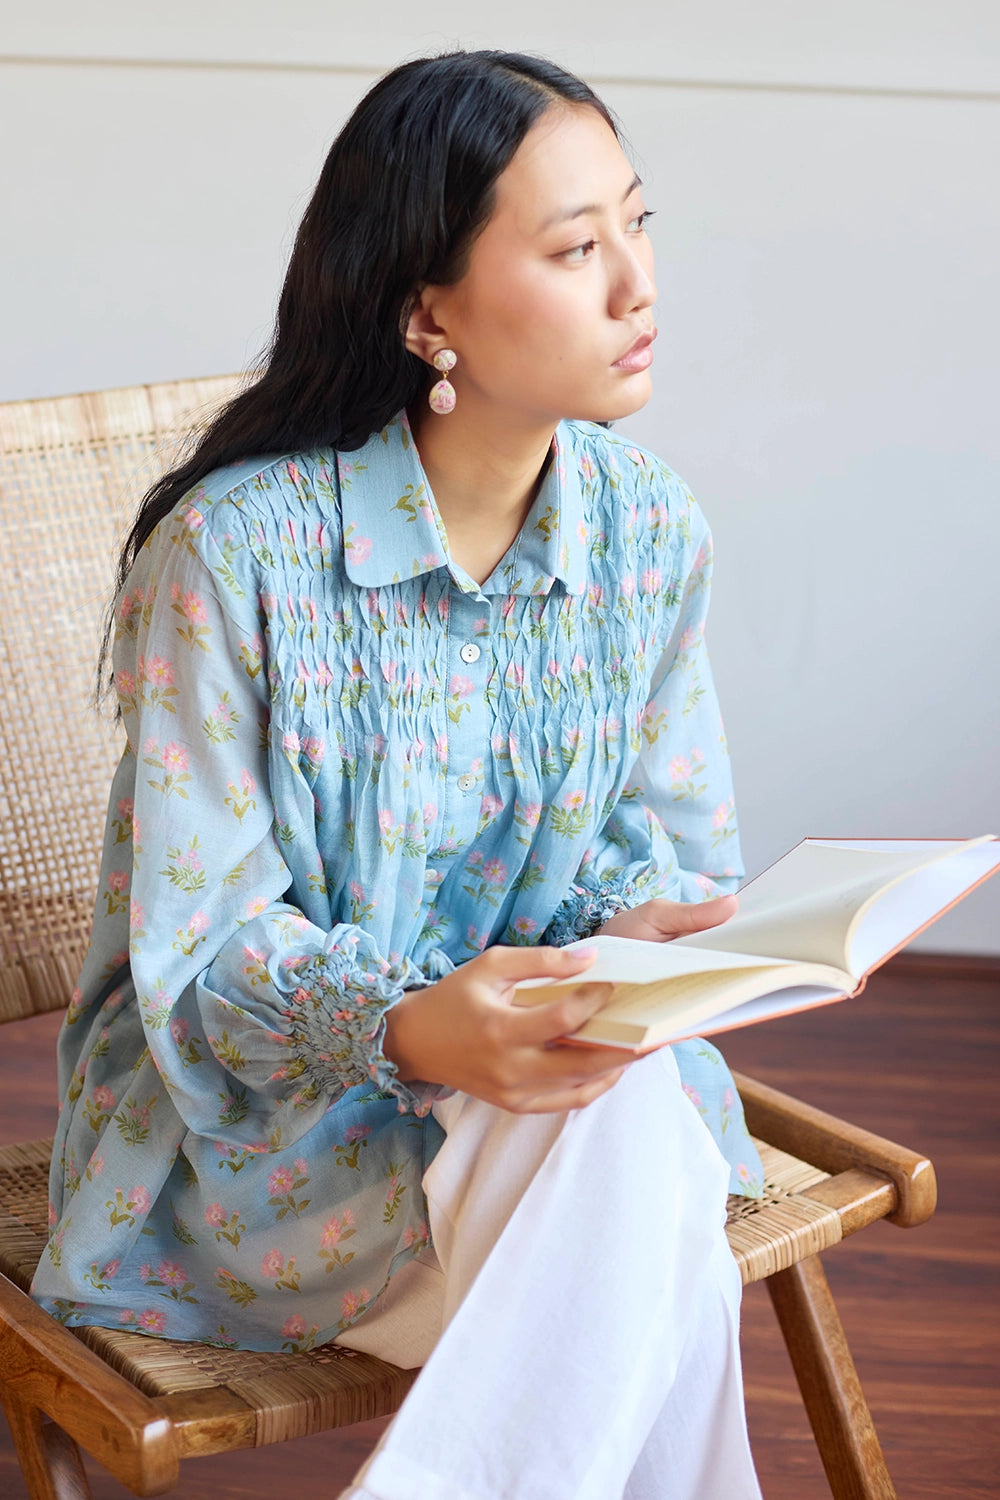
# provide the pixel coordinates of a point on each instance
(915, 1058)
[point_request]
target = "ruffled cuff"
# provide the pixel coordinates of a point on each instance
(589, 904)
(338, 1024)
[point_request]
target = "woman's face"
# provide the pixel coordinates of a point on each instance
(553, 317)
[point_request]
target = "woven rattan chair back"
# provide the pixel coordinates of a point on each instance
(71, 473)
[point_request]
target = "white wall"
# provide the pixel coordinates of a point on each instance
(826, 180)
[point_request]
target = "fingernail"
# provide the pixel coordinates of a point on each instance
(584, 953)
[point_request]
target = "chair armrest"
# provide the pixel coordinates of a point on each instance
(44, 1366)
(834, 1146)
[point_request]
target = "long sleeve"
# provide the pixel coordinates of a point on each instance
(672, 831)
(258, 1010)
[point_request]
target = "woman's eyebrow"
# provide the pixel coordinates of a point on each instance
(561, 215)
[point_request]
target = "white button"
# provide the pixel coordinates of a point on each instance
(466, 782)
(470, 651)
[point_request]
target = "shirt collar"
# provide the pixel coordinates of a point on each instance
(393, 531)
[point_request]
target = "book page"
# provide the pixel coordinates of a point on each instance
(629, 960)
(644, 1015)
(807, 905)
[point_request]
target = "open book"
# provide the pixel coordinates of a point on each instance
(809, 930)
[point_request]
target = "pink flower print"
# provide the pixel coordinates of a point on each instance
(126, 1315)
(573, 800)
(95, 1166)
(553, 668)
(476, 939)
(431, 560)
(125, 809)
(430, 812)
(441, 746)
(692, 1094)
(53, 1216)
(281, 1180)
(531, 814)
(494, 871)
(179, 1030)
(595, 595)
(103, 1098)
(313, 749)
(247, 784)
(390, 670)
(705, 884)
(272, 1265)
(292, 470)
(461, 687)
(174, 757)
(578, 665)
(192, 519)
(728, 1099)
(290, 742)
(587, 466)
(171, 1274)
(301, 1166)
(358, 548)
(386, 821)
(332, 1230)
(194, 607)
(110, 1271)
(679, 768)
(293, 1327)
(490, 806)
(139, 1200)
(151, 1320)
(356, 1133)
(721, 815)
(351, 1302)
(357, 890)
(690, 638)
(651, 581)
(696, 754)
(215, 1214)
(155, 669)
(524, 926)
(125, 683)
(516, 674)
(627, 585)
(146, 1272)
(199, 922)
(256, 905)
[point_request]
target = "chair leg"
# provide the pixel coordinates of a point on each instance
(831, 1390)
(49, 1458)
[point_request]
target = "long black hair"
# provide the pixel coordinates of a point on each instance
(408, 184)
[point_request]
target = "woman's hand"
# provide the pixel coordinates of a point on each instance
(464, 1032)
(659, 921)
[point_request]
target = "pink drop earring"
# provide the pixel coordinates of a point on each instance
(442, 396)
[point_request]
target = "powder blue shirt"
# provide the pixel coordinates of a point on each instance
(349, 769)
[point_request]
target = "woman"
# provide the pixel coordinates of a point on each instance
(413, 676)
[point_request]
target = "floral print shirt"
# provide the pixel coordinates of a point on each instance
(349, 769)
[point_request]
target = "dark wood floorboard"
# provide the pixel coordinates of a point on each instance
(915, 1058)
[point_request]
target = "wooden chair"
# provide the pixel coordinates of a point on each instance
(71, 468)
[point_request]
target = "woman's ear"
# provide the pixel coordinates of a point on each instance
(424, 334)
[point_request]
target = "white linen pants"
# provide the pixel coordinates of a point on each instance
(578, 1325)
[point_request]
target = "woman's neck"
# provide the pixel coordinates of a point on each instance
(484, 480)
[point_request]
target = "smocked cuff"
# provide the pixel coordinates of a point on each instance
(338, 1025)
(589, 904)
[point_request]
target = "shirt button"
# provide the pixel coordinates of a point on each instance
(470, 651)
(466, 782)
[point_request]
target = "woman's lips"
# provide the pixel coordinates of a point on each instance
(639, 356)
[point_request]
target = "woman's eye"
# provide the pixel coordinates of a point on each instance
(579, 252)
(638, 224)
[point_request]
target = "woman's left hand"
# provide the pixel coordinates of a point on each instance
(659, 921)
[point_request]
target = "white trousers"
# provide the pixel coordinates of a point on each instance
(578, 1326)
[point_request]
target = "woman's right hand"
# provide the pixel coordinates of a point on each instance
(465, 1033)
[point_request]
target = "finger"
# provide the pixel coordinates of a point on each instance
(559, 1100)
(505, 967)
(571, 1006)
(679, 917)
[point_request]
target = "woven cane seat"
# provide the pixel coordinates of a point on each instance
(292, 1395)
